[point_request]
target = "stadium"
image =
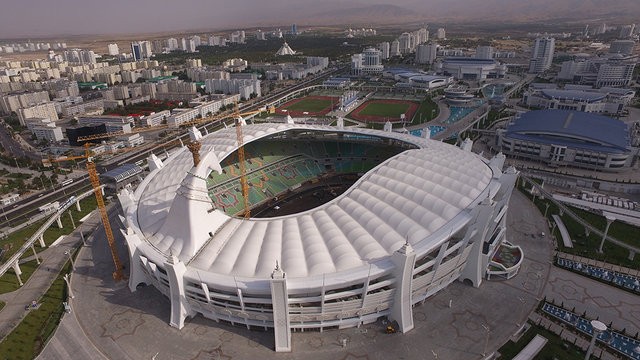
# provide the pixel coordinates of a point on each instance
(348, 225)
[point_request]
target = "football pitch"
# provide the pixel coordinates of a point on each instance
(385, 109)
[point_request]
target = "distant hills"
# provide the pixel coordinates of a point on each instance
(475, 11)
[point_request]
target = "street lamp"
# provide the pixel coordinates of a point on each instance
(67, 279)
(68, 253)
(597, 327)
(523, 302)
(486, 343)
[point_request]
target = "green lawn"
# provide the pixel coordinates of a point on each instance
(555, 348)
(310, 105)
(9, 282)
(380, 109)
(1, 304)
(29, 337)
(427, 111)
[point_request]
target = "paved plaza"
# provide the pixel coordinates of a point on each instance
(108, 321)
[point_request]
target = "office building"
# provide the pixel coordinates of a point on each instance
(369, 62)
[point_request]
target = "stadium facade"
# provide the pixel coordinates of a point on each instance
(420, 215)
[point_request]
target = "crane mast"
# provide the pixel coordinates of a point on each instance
(244, 185)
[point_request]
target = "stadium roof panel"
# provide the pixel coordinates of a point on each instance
(408, 197)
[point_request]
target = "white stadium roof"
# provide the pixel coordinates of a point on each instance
(409, 197)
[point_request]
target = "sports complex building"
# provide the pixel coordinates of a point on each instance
(574, 138)
(347, 225)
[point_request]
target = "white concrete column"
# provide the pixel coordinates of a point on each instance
(180, 309)
(59, 222)
(41, 241)
(35, 254)
(78, 206)
(401, 311)
(280, 304)
(610, 219)
(16, 269)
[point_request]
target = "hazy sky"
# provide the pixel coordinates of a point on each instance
(20, 18)
(31, 18)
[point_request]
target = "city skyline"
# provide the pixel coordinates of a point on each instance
(70, 17)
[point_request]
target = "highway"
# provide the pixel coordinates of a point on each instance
(21, 211)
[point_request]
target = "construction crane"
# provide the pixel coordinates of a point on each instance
(244, 185)
(95, 182)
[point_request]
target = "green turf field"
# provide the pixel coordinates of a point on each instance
(380, 109)
(310, 105)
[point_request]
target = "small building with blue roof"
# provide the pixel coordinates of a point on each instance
(569, 138)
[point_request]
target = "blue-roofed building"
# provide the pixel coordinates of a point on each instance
(465, 68)
(569, 138)
(603, 101)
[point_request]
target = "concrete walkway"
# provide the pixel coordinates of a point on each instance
(53, 259)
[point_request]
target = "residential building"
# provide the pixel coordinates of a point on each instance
(44, 110)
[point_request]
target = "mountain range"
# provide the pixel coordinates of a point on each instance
(445, 11)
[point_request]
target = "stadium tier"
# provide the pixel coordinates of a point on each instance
(406, 217)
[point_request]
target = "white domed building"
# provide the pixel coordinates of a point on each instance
(416, 216)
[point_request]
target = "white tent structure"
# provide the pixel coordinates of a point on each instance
(404, 230)
(285, 49)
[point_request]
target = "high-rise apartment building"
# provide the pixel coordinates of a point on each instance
(112, 49)
(385, 48)
(542, 54)
(136, 51)
(395, 48)
(426, 53)
(626, 31)
(484, 52)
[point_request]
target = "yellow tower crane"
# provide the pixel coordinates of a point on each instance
(244, 185)
(95, 182)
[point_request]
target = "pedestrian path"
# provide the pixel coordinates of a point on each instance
(53, 259)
